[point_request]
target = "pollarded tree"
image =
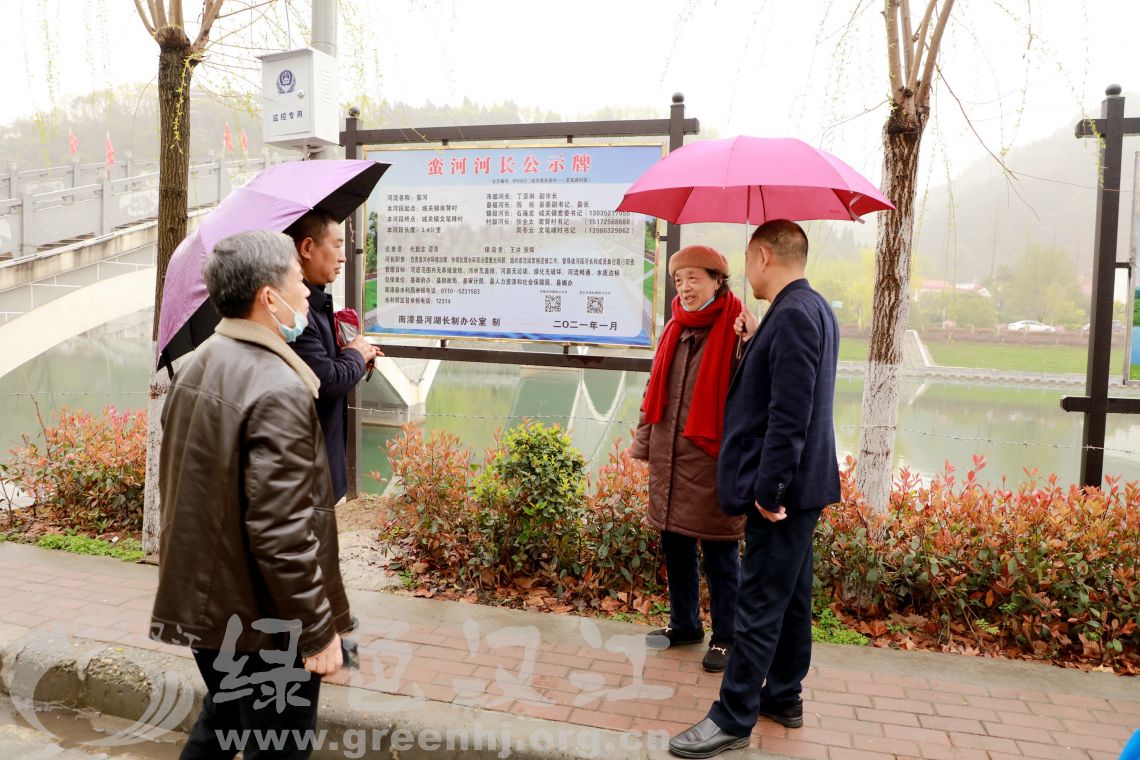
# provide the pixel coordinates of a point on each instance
(912, 59)
(177, 58)
(182, 48)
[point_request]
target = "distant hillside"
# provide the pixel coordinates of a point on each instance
(978, 225)
(967, 232)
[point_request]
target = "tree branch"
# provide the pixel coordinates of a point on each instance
(209, 15)
(919, 43)
(246, 8)
(932, 52)
(176, 14)
(158, 13)
(907, 39)
(892, 17)
(142, 15)
(1010, 174)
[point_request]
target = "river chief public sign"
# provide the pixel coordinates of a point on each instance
(511, 243)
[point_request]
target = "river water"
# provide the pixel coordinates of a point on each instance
(1015, 428)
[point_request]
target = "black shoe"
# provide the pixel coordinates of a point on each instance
(666, 637)
(790, 714)
(705, 740)
(717, 657)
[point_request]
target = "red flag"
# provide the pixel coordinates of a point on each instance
(244, 142)
(110, 152)
(72, 143)
(227, 140)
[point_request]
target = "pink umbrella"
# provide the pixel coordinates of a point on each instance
(752, 180)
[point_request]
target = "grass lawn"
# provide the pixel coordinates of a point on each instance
(853, 349)
(1070, 359)
(369, 297)
(1063, 359)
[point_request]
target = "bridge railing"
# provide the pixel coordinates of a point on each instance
(16, 182)
(32, 221)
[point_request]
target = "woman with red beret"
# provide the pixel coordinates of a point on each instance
(682, 418)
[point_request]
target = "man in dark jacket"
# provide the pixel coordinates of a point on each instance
(249, 573)
(320, 244)
(777, 466)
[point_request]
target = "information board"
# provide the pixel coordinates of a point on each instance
(514, 243)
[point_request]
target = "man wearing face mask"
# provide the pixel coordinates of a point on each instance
(682, 419)
(320, 245)
(249, 573)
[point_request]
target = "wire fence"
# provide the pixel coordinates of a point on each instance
(629, 424)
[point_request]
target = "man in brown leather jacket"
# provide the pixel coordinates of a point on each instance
(249, 574)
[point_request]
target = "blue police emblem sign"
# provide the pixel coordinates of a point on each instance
(286, 82)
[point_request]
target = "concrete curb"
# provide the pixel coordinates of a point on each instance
(166, 690)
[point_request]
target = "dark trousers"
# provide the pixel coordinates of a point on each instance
(224, 716)
(722, 572)
(773, 621)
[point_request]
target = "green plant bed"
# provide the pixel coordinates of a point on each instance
(829, 629)
(128, 549)
(1029, 570)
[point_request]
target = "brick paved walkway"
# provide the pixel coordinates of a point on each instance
(861, 704)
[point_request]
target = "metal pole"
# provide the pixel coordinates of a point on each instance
(673, 236)
(324, 40)
(324, 26)
(1100, 327)
(353, 277)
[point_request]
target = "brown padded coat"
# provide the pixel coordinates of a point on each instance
(682, 476)
(248, 527)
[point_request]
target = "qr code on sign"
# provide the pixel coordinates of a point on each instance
(595, 304)
(553, 304)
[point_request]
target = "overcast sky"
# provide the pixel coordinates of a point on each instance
(1021, 68)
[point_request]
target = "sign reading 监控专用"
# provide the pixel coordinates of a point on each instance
(517, 243)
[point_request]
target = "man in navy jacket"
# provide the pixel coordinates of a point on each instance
(320, 246)
(778, 466)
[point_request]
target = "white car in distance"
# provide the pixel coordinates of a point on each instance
(1030, 326)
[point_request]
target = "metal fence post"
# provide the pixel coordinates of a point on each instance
(105, 225)
(221, 178)
(354, 245)
(1100, 313)
(76, 172)
(13, 180)
(673, 235)
(26, 208)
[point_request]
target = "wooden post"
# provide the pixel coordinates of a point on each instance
(1110, 129)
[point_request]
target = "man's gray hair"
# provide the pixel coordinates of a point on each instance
(243, 264)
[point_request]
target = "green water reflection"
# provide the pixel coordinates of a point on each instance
(1014, 428)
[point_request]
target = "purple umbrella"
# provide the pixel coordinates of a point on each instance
(274, 199)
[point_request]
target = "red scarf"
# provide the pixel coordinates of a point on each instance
(706, 411)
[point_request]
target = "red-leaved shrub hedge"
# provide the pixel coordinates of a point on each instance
(1046, 569)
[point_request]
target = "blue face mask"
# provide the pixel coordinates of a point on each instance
(300, 322)
(702, 307)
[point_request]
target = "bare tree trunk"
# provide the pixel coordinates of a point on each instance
(152, 516)
(175, 68)
(902, 136)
